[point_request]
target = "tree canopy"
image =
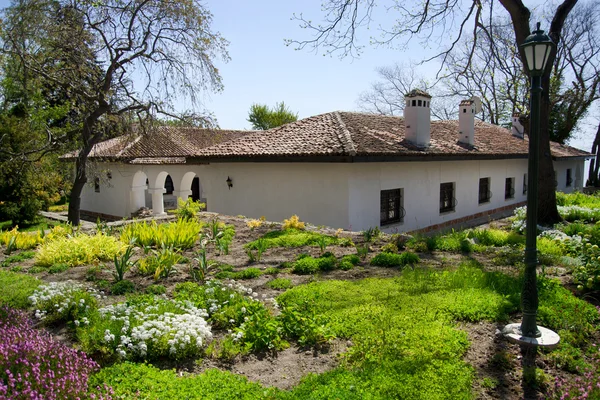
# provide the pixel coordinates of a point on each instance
(262, 117)
(116, 62)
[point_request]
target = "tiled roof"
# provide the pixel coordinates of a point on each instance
(335, 134)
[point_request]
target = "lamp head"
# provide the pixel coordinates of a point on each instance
(537, 48)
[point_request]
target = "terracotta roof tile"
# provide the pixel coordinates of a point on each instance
(331, 134)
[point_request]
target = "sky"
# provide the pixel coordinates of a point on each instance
(264, 70)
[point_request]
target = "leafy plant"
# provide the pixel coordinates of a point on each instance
(182, 234)
(362, 251)
(58, 268)
(294, 238)
(395, 260)
(371, 233)
(25, 255)
(304, 325)
(322, 243)
(167, 258)
(188, 209)
(200, 273)
(293, 223)
(156, 289)
(261, 246)
(123, 264)
(15, 289)
(310, 265)
(255, 223)
(389, 248)
(280, 283)
(122, 286)
(78, 250)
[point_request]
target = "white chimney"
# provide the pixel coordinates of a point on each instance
(466, 122)
(517, 128)
(417, 117)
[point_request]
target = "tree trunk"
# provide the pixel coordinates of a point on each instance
(78, 185)
(547, 210)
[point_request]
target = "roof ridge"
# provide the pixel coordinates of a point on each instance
(344, 136)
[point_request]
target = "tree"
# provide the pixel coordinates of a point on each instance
(118, 61)
(262, 117)
(435, 21)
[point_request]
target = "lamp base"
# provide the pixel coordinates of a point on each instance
(547, 337)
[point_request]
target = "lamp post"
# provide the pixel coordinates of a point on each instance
(537, 48)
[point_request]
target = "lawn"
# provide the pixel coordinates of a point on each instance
(253, 309)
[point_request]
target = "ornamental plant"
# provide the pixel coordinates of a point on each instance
(293, 223)
(123, 264)
(180, 235)
(147, 327)
(64, 301)
(78, 250)
(188, 209)
(34, 366)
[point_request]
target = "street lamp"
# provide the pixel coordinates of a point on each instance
(537, 48)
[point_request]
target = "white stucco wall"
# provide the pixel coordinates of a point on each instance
(339, 195)
(421, 181)
(577, 174)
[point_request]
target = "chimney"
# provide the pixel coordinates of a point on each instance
(466, 122)
(517, 127)
(417, 117)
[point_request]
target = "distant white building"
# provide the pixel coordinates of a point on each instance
(340, 169)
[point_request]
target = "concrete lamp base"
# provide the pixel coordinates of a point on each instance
(547, 337)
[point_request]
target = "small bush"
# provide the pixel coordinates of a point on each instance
(58, 268)
(309, 265)
(280, 284)
(188, 209)
(78, 250)
(293, 223)
(122, 287)
(156, 290)
(303, 324)
(293, 238)
(271, 271)
(371, 233)
(389, 248)
(395, 260)
(182, 234)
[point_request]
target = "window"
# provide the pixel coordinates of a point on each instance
(524, 183)
(97, 185)
(391, 210)
(447, 200)
(569, 177)
(484, 190)
(169, 185)
(509, 189)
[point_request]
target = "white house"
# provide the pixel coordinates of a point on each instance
(340, 169)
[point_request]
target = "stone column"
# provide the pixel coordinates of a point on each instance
(137, 198)
(158, 207)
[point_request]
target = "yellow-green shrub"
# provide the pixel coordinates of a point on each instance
(293, 223)
(78, 250)
(23, 240)
(179, 235)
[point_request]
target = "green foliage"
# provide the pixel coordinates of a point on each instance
(156, 289)
(271, 271)
(362, 251)
(262, 117)
(247, 273)
(260, 331)
(132, 380)
(293, 238)
(78, 250)
(371, 233)
(280, 284)
(178, 235)
(14, 240)
(348, 262)
(310, 265)
(25, 255)
(63, 302)
(188, 209)
(58, 268)
(15, 289)
(161, 264)
(200, 272)
(123, 263)
(122, 286)
(389, 248)
(395, 260)
(578, 199)
(301, 323)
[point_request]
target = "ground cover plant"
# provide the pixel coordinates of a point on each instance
(182, 234)
(34, 366)
(401, 332)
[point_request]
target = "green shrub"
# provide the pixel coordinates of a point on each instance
(389, 248)
(122, 287)
(310, 265)
(271, 271)
(260, 331)
(58, 268)
(123, 263)
(132, 380)
(280, 284)
(371, 233)
(78, 250)
(395, 260)
(156, 289)
(161, 264)
(302, 323)
(15, 289)
(188, 209)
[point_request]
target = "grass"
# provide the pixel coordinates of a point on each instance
(280, 283)
(25, 255)
(42, 223)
